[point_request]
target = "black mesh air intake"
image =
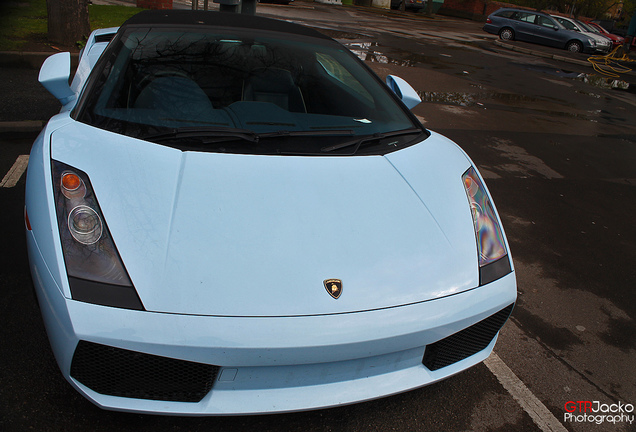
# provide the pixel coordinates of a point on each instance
(466, 342)
(119, 372)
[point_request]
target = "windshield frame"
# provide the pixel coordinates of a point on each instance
(96, 82)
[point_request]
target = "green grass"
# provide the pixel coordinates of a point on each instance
(23, 21)
(103, 16)
(20, 21)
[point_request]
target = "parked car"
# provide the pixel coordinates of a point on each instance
(537, 27)
(603, 44)
(234, 215)
(616, 40)
(407, 4)
(622, 32)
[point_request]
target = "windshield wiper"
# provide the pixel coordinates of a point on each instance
(203, 132)
(285, 133)
(376, 136)
(244, 134)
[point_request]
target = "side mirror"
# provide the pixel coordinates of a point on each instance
(403, 90)
(54, 75)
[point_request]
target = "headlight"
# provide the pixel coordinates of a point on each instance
(85, 225)
(592, 42)
(491, 246)
(95, 271)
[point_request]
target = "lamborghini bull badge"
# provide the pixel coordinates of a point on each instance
(333, 287)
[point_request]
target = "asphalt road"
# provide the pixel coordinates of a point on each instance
(558, 151)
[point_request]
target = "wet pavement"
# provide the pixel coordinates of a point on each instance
(556, 143)
(557, 146)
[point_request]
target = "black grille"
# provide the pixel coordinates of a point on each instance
(466, 342)
(119, 372)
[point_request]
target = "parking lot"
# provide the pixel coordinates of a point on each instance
(557, 146)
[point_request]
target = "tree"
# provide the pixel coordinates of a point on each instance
(68, 21)
(629, 8)
(539, 5)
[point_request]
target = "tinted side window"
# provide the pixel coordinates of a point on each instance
(338, 71)
(545, 22)
(505, 14)
(527, 17)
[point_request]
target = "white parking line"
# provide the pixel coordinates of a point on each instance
(542, 417)
(16, 171)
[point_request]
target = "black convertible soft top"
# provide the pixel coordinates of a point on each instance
(218, 19)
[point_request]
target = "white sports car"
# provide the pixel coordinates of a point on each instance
(234, 215)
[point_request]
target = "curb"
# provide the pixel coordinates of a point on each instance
(31, 60)
(537, 53)
(26, 126)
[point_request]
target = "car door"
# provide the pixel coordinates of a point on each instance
(524, 26)
(548, 32)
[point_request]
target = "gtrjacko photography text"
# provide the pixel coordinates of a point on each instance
(597, 412)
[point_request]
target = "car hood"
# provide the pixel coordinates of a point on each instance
(598, 38)
(247, 235)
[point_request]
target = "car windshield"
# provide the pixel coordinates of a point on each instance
(567, 24)
(586, 27)
(598, 28)
(191, 87)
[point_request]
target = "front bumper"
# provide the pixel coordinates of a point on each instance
(266, 365)
(604, 48)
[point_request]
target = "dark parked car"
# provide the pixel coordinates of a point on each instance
(407, 4)
(536, 27)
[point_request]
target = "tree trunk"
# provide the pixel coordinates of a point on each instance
(68, 21)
